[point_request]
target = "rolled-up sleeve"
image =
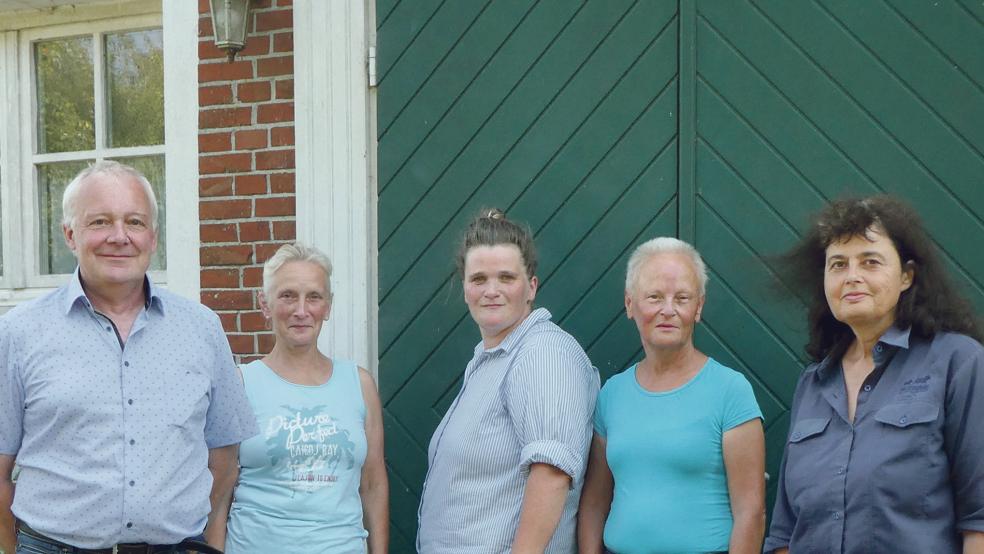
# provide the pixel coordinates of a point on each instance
(550, 396)
(230, 419)
(963, 434)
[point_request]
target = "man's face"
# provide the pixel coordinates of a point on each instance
(112, 237)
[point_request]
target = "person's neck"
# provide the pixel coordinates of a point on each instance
(117, 300)
(676, 360)
(306, 361)
(865, 338)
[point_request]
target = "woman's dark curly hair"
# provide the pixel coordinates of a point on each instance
(929, 306)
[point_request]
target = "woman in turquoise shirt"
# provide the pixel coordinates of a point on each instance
(314, 479)
(677, 461)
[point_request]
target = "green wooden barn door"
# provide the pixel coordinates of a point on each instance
(563, 114)
(798, 103)
(603, 123)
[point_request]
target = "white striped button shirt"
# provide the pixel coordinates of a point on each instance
(528, 400)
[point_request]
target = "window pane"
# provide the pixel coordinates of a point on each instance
(55, 257)
(153, 169)
(66, 105)
(135, 84)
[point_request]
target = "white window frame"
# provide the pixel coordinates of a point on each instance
(179, 21)
(30, 266)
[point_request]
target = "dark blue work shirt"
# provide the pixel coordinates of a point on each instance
(908, 474)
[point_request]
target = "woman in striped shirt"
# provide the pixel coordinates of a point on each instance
(505, 464)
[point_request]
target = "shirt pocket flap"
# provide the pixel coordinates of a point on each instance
(806, 428)
(904, 415)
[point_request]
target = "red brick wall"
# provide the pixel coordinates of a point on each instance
(246, 167)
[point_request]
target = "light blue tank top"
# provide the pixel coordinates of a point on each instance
(299, 478)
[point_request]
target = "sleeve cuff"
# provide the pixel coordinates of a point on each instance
(773, 543)
(553, 453)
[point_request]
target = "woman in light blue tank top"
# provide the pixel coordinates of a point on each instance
(313, 480)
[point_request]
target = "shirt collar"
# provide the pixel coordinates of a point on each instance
(75, 294)
(513, 338)
(892, 337)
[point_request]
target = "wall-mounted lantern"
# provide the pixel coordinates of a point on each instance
(229, 20)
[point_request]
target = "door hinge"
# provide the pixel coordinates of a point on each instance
(372, 67)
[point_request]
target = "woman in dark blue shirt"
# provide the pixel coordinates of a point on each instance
(887, 427)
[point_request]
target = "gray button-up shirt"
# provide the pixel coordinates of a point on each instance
(112, 440)
(907, 475)
(528, 400)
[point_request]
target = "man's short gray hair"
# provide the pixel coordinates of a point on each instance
(296, 252)
(664, 245)
(70, 198)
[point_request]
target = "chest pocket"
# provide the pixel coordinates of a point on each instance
(806, 428)
(906, 415)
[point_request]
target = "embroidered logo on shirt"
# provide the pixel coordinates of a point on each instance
(914, 387)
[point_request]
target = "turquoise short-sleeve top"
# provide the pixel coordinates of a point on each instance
(664, 452)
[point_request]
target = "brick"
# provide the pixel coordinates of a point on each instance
(273, 20)
(251, 139)
(228, 299)
(215, 186)
(253, 321)
(220, 278)
(225, 117)
(271, 67)
(284, 230)
(205, 29)
(275, 159)
(208, 51)
(228, 320)
(225, 71)
(225, 163)
(261, 4)
(219, 94)
(215, 142)
(204, 7)
(282, 136)
(253, 277)
(254, 231)
(274, 206)
(256, 45)
(241, 344)
(254, 91)
(236, 254)
(275, 113)
(285, 3)
(218, 232)
(281, 183)
(283, 42)
(284, 89)
(254, 183)
(265, 342)
(266, 251)
(224, 209)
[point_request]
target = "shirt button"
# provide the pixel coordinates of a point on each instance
(879, 348)
(130, 401)
(867, 388)
(840, 471)
(837, 516)
(127, 364)
(132, 483)
(133, 441)
(110, 329)
(129, 524)
(903, 420)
